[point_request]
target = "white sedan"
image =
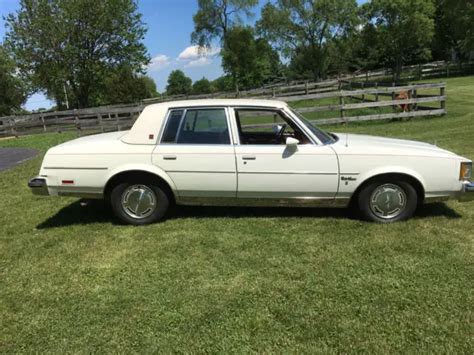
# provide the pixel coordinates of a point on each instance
(249, 153)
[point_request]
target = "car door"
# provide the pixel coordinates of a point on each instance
(196, 151)
(268, 168)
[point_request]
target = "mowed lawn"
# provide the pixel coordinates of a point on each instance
(239, 279)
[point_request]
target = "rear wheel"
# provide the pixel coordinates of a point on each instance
(139, 202)
(387, 201)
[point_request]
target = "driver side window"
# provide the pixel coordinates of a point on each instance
(257, 126)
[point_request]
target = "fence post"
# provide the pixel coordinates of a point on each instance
(410, 96)
(13, 127)
(77, 123)
(58, 128)
(377, 93)
(273, 92)
(447, 69)
(306, 87)
(99, 119)
(394, 107)
(415, 95)
(117, 121)
(420, 72)
(442, 92)
(42, 122)
(341, 102)
(363, 95)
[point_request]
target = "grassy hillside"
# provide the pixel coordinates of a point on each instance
(239, 279)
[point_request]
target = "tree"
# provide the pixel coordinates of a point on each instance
(202, 86)
(125, 86)
(406, 29)
(72, 46)
(13, 92)
(223, 83)
(454, 29)
(249, 61)
(303, 30)
(178, 83)
(215, 17)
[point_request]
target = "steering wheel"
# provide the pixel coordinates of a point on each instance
(281, 132)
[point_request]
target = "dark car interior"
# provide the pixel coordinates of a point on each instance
(266, 127)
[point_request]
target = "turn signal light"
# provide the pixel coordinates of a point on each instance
(466, 171)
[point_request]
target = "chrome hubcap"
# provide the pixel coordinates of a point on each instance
(138, 201)
(388, 201)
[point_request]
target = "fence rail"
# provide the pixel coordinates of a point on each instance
(403, 101)
(360, 91)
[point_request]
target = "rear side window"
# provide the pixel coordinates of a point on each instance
(205, 126)
(174, 119)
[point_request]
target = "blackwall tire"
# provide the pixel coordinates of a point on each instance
(387, 201)
(139, 202)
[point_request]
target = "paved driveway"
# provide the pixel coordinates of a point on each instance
(10, 157)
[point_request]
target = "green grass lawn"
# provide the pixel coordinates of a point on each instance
(239, 279)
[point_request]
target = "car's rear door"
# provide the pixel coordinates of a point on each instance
(196, 151)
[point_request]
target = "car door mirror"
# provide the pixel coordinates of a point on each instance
(292, 141)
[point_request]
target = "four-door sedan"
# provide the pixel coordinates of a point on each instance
(249, 153)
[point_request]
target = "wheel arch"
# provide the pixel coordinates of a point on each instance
(141, 171)
(410, 177)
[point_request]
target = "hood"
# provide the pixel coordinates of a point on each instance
(88, 144)
(364, 144)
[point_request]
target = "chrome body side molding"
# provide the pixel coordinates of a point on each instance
(263, 202)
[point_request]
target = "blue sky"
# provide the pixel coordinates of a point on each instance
(169, 25)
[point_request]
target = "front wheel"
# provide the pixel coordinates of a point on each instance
(387, 201)
(139, 203)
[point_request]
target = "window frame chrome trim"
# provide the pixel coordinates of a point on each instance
(185, 110)
(283, 113)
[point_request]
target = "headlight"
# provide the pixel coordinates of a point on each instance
(466, 171)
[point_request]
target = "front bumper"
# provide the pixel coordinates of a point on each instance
(38, 186)
(467, 192)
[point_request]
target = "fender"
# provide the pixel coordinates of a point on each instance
(389, 169)
(149, 168)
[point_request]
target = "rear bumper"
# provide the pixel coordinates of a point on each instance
(467, 192)
(38, 186)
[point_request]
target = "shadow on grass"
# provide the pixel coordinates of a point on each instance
(96, 211)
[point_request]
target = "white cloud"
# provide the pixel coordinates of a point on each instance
(200, 62)
(193, 53)
(159, 62)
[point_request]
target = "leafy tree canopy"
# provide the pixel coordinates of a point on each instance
(178, 83)
(202, 86)
(405, 28)
(215, 17)
(303, 29)
(13, 92)
(454, 29)
(125, 86)
(249, 61)
(73, 45)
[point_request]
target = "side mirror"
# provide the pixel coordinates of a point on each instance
(292, 141)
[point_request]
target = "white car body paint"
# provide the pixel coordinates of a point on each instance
(328, 173)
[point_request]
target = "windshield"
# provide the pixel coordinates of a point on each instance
(324, 137)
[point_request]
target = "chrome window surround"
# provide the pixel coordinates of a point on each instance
(232, 123)
(193, 108)
(282, 112)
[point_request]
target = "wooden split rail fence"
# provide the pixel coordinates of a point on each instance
(376, 103)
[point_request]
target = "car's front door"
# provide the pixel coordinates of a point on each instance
(268, 168)
(196, 151)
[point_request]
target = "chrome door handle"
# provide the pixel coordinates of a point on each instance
(249, 157)
(169, 157)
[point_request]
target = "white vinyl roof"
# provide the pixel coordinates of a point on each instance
(148, 125)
